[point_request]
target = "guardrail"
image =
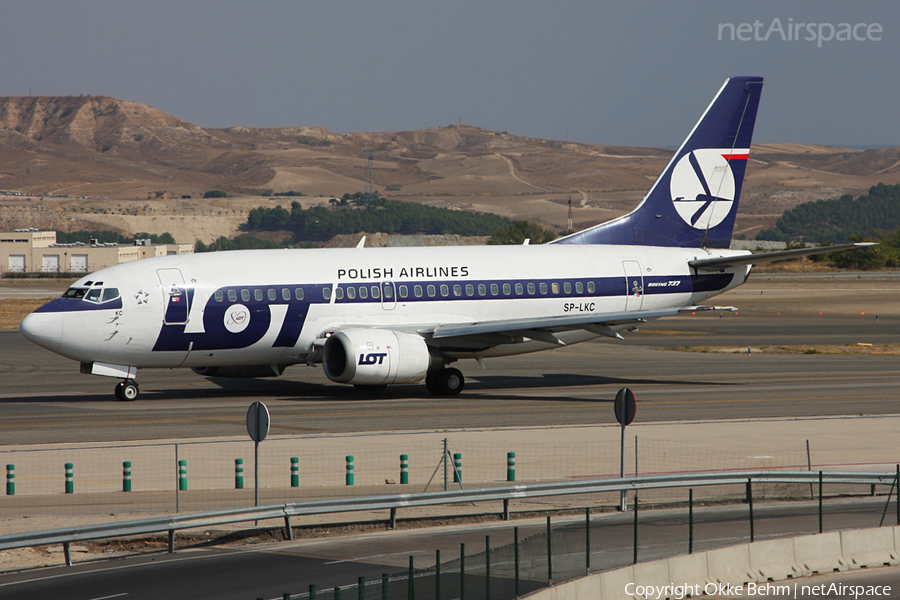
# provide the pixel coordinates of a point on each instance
(285, 511)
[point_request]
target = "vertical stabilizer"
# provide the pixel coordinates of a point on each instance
(695, 200)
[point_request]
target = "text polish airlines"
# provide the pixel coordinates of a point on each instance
(379, 316)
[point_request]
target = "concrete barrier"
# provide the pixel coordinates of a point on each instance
(820, 553)
(689, 569)
(869, 548)
(655, 573)
(773, 559)
(587, 587)
(730, 565)
(612, 583)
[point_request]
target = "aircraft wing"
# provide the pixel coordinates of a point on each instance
(753, 259)
(542, 329)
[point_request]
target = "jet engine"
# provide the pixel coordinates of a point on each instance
(240, 372)
(374, 357)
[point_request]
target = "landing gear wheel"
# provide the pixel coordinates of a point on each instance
(127, 391)
(431, 383)
(449, 382)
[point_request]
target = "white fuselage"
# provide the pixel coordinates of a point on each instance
(269, 307)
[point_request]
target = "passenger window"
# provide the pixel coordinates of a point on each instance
(457, 290)
(445, 290)
(590, 287)
(326, 293)
(298, 294)
(555, 287)
(376, 292)
(495, 289)
(257, 295)
(543, 288)
(93, 295)
(404, 291)
(285, 294)
(519, 289)
(339, 293)
(388, 292)
(567, 287)
(271, 294)
(579, 287)
(470, 289)
(531, 289)
(110, 294)
(232, 296)
(351, 292)
(431, 291)
(507, 289)
(219, 296)
(417, 290)
(245, 295)
(363, 292)
(482, 289)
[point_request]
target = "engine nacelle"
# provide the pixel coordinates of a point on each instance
(240, 372)
(377, 357)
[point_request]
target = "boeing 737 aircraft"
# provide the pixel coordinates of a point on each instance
(379, 316)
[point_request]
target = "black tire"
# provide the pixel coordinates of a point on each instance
(127, 391)
(450, 382)
(431, 383)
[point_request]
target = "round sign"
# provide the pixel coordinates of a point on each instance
(626, 406)
(237, 318)
(258, 421)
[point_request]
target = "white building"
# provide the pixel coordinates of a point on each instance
(33, 251)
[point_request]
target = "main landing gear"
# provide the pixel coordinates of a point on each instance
(446, 382)
(127, 391)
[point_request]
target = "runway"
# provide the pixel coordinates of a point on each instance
(46, 400)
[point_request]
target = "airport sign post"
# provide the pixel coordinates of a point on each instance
(626, 407)
(258, 428)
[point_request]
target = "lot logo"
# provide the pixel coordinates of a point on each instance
(237, 318)
(702, 188)
(373, 358)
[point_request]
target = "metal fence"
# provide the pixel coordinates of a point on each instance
(602, 542)
(196, 476)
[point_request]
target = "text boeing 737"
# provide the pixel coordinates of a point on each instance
(374, 317)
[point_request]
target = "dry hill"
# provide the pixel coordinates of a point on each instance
(96, 162)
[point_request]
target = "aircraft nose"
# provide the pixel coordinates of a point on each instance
(43, 328)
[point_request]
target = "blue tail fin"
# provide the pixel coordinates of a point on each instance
(695, 200)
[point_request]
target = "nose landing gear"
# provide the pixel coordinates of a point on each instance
(127, 391)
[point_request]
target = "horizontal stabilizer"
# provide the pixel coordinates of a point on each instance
(725, 262)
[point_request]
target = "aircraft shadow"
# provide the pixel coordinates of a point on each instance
(300, 391)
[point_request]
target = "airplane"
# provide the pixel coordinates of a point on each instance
(379, 316)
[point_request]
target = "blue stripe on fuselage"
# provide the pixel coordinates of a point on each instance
(217, 337)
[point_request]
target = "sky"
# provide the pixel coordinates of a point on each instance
(634, 73)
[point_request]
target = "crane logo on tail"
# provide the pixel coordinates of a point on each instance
(702, 186)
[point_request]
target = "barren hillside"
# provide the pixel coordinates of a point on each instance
(96, 162)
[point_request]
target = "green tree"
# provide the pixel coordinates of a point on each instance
(519, 231)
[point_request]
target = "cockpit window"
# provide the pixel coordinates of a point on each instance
(75, 293)
(93, 295)
(110, 294)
